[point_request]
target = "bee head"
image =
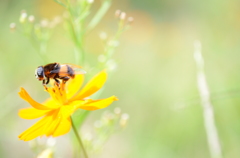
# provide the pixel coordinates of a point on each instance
(39, 73)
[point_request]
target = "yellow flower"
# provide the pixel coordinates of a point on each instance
(56, 111)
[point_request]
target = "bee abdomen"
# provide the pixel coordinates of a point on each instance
(70, 71)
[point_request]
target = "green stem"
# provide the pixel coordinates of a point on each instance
(62, 4)
(99, 15)
(38, 50)
(77, 32)
(81, 51)
(110, 49)
(79, 139)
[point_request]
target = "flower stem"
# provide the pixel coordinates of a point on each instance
(208, 111)
(99, 15)
(79, 139)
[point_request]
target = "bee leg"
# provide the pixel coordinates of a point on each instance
(65, 79)
(47, 81)
(57, 82)
(44, 84)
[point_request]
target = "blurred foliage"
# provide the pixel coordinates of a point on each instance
(155, 79)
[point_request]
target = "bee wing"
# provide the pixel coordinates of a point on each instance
(64, 70)
(73, 65)
(77, 69)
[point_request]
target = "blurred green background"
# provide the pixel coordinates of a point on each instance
(155, 80)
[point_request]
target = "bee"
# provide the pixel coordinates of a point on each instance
(57, 71)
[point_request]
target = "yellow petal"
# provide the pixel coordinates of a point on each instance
(36, 130)
(41, 127)
(51, 126)
(63, 127)
(60, 124)
(98, 104)
(51, 103)
(24, 95)
(92, 86)
(74, 85)
(31, 113)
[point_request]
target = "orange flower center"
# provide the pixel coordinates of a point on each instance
(58, 93)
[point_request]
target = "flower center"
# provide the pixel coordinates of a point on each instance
(58, 93)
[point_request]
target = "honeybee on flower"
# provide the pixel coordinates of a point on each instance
(65, 100)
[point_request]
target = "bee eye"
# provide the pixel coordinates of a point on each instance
(39, 73)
